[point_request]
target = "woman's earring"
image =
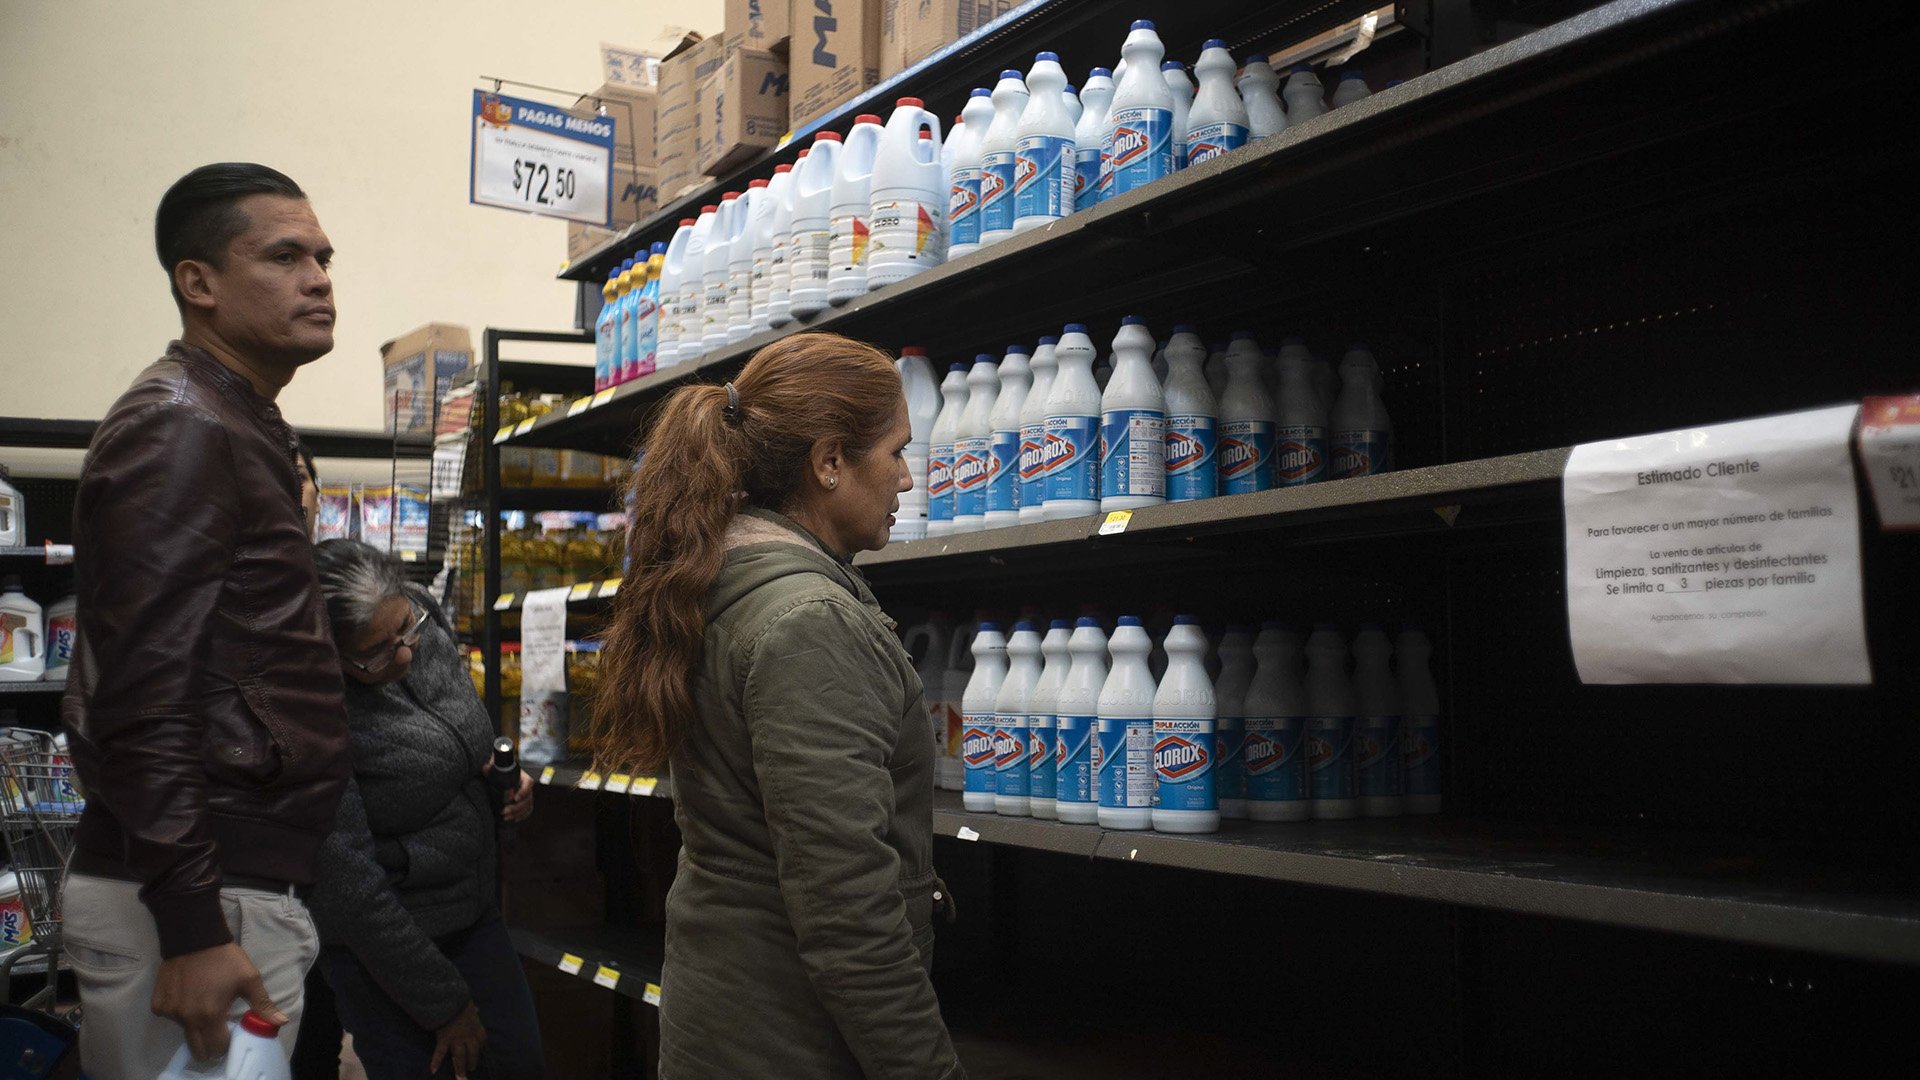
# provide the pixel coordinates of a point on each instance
(833, 482)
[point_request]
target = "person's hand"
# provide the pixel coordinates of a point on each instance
(519, 805)
(197, 991)
(459, 1043)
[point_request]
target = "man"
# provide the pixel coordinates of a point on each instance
(204, 709)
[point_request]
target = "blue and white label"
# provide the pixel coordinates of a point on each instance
(940, 483)
(1123, 762)
(1141, 146)
(1329, 750)
(1010, 754)
(1032, 479)
(970, 468)
(1073, 758)
(606, 331)
(963, 207)
(1275, 768)
(996, 192)
(1361, 453)
(1229, 770)
(1086, 181)
(1192, 470)
(1183, 757)
(1042, 779)
(1133, 453)
(1209, 141)
(1376, 755)
(1003, 464)
(1420, 755)
(976, 751)
(1246, 456)
(1072, 464)
(1299, 455)
(1044, 170)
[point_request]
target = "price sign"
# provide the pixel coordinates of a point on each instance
(541, 160)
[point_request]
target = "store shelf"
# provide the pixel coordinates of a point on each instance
(623, 961)
(324, 442)
(32, 687)
(574, 773)
(1729, 891)
(597, 500)
(582, 592)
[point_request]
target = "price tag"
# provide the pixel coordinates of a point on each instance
(967, 834)
(504, 602)
(609, 587)
(580, 591)
(643, 785)
(546, 775)
(580, 405)
(59, 554)
(618, 783)
(589, 782)
(525, 426)
(602, 397)
(606, 977)
(1115, 523)
(537, 159)
(570, 963)
(1889, 455)
(652, 996)
(409, 556)
(503, 434)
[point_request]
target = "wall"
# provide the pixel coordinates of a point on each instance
(364, 102)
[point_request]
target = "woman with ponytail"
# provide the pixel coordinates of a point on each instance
(748, 653)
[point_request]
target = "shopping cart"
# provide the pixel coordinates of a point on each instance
(40, 803)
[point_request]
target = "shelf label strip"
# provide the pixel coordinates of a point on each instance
(570, 963)
(606, 977)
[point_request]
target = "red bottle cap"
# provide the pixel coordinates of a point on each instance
(827, 136)
(912, 102)
(866, 118)
(756, 183)
(778, 169)
(730, 196)
(688, 221)
(709, 209)
(255, 1024)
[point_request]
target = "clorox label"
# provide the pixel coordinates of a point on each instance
(1141, 147)
(1376, 755)
(1246, 453)
(1299, 455)
(970, 468)
(1192, 471)
(1086, 179)
(1183, 763)
(1032, 465)
(940, 484)
(1275, 769)
(1073, 758)
(1043, 177)
(1124, 762)
(1359, 453)
(1209, 141)
(1329, 749)
(1133, 453)
(1003, 465)
(1072, 470)
(977, 752)
(996, 192)
(1010, 754)
(963, 206)
(1229, 770)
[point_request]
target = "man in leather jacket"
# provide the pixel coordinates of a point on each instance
(204, 710)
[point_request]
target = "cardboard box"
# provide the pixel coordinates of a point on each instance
(584, 239)
(912, 30)
(636, 195)
(676, 123)
(419, 365)
(834, 55)
(632, 112)
(636, 69)
(742, 108)
(757, 24)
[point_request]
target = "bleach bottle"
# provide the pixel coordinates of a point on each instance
(1070, 97)
(1353, 87)
(1140, 123)
(923, 409)
(740, 263)
(1275, 707)
(713, 294)
(1362, 431)
(1259, 87)
(963, 197)
(1193, 470)
(1076, 714)
(253, 1053)
(1011, 767)
(1304, 94)
(940, 444)
(768, 245)
(997, 150)
(1044, 162)
(1181, 88)
(1300, 420)
(1073, 429)
(1217, 370)
(1042, 780)
(1133, 425)
(1329, 737)
(1185, 736)
(1217, 123)
(779, 309)
(972, 446)
(23, 634)
(954, 132)
(673, 295)
(1229, 740)
(1090, 138)
(1003, 441)
(1419, 723)
(606, 330)
(907, 220)
(953, 690)
(1033, 435)
(1376, 724)
(646, 315)
(926, 646)
(1246, 421)
(977, 707)
(852, 203)
(810, 248)
(1123, 749)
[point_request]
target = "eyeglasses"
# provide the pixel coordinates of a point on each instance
(408, 640)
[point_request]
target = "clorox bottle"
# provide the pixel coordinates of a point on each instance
(606, 333)
(908, 218)
(1376, 724)
(1193, 466)
(997, 151)
(1362, 438)
(1230, 701)
(852, 202)
(1090, 138)
(1070, 96)
(1305, 96)
(1076, 717)
(1246, 421)
(1352, 87)
(1033, 434)
(1185, 715)
(779, 300)
(1259, 87)
(673, 295)
(1044, 166)
(740, 263)
(1072, 453)
(1217, 123)
(1140, 124)
(810, 251)
(1042, 744)
(1329, 738)
(963, 198)
(1300, 420)
(1420, 723)
(713, 301)
(1273, 750)
(1181, 88)
(1133, 425)
(977, 708)
(1011, 764)
(946, 426)
(1003, 443)
(1123, 754)
(972, 446)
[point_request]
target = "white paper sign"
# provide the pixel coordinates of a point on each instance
(541, 160)
(1890, 456)
(1723, 554)
(543, 667)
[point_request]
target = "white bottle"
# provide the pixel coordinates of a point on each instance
(1193, 467)
(13, 513)
(1123, 750)
(1246, 420)
(852, 202)
(810, 249)
(1362, 436)
(972, 446)
(1300, 420)
(946, 427)
(1327, 382)
(926, 646)
(1230, 701)
(1304, 94)
(746, 247)
(713, 298)
(762, 227)
(997, 151)
(1217, 124)
(1033, 434)
(673, 296)
(1217, 369)
(1140, 144)
(957, 674)
(947, 145)
(1012, 754)
(1352, 87)
(1076, 717)
(1259, 87)
(963, 200)
(63, 634)
(779, 300)
(1160, 364)
(1185, 743)
(253, 1053)
(1072, 453)
(1419, 723)
(1042, 775)
(907, 221)
(1180, 86)
(23, 634)
(977, 707)
(692, 318)
(923, 408)
(1003, 441)
(1329, 739)
(1376, 724)
(1133, 425)
(1275, 709)
(1045, 162)
(1090, 138)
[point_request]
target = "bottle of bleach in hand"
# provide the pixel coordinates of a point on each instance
(1140, 122)
(946, 427)
(1123, 748)
(1133, 425)
(1042, 780)
(1045, 165)
(1003, 444)
(253, 1053)
(1011, 767)
(963, 198)
(1073, 429)
(980, 720)
(1032, 480)
(1217, 123)
(997, 151)
(908, 222)
(1076, 713)
(1193, 470)
(972, 445)
(1184, 728)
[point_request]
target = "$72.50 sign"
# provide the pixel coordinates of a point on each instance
(541, 160)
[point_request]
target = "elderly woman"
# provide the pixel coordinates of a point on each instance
(426, 978)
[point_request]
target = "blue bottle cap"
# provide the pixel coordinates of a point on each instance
(984, 358)
(1184, 328)
(1300, 67)
(1059, 624)
(1295, 340)
(1071, 89)
(1011, 74)
(1046, 56)
(613, 273)
(1049, 340)
(1258, 58)
(1023, 625)
(1100, 73)
(1172, 65)
(1243, 335)
(626, 265)
(1213, 43)
(1133, 320)
(659, 248)
(1142, 24)
(1350, 73)
(956, 366)
(1021, 349)
(989, 628)
(1087, 620)
(1130, 620)
(981, 91)
(1075, 328)
(1186, 620)
(1320, 626)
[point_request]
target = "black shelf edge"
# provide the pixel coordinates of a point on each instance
(632, 956)
(598, 499)
(32, 687)
(574, 775)
(324, 442)
(581, 592)
(32, 551)
(1618, 878)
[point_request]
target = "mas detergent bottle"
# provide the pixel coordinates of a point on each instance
(1044, 166)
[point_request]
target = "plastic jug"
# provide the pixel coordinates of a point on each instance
(1304, 94)
(23, 634)
(1181, 87)
(1090, 138)
(1076, 717)
(972, 445)
(907, 220)
(760, 226)
(1185, 723)
(1032, 480)
(977, 705)
(1071, 458)
(719, 258)
(1353, 86)
(1193, 469)
(16, 928)
(997, 150)
(810, 250)
(1042, 777)
(852, 203)
(694, 287)
(253, 1053)
(778, 309)
(1123, 747)
(1133, 425)
(1011, 752)
(673, 296)
(1003, 440)
(63, 633)
(1362, 433)
(1045, 159)
(746, 244)
(1246, 421)
(1300, 420)
(1259, 87)
(963, 174)
(1217, 123)
(940, 446)
(1140, 124)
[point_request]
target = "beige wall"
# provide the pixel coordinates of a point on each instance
(104, 103)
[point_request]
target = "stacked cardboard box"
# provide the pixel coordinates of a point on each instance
(835, 54)
(676, 127)
(742, 110)
(420, 364)
(912, 30)
(757, 24)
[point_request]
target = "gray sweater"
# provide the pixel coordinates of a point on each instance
(412, 856)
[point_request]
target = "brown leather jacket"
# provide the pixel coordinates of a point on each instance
(204, 708)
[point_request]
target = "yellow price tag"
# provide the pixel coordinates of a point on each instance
(603, 396)
(618, 782)
(609, 587)
(503, 434)
(643, 785)
(546, 775)
(580, 405)
(589, 782)
(652, 996)
(570, 963)
(580, 591)
(504, 602)
(524, 426)
(1116, 522)
(606, 977)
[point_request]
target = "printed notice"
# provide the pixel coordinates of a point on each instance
(1723, 554)
(1889, 455)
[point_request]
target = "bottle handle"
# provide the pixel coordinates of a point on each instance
(928, 121)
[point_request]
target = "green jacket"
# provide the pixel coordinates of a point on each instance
(799, 927)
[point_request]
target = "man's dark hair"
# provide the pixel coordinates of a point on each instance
(306, 458)
(198, 219)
